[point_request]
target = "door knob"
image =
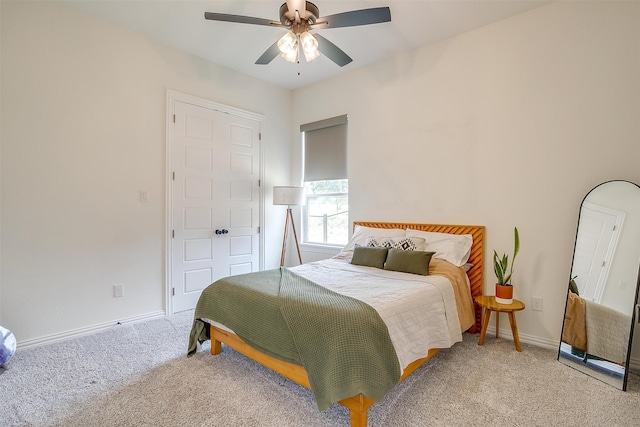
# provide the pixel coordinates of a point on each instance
(223, 231)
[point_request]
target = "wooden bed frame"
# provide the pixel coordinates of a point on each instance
(359, 405)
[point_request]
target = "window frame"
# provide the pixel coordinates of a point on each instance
(305, 218)
(328, 162)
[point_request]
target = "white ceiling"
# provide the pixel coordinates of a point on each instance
(181, 24)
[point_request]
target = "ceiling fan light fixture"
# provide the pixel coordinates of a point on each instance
(298, 17)
(288, 43)
(309, 46)
(291, 56)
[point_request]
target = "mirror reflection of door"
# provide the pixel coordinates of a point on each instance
(598, 325)
(595, 247)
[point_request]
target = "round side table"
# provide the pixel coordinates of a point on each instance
(489, 304)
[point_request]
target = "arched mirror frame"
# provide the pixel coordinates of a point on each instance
(634, 311)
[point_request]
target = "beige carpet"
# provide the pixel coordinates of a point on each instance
(138, 375)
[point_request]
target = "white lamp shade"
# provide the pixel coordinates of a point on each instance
(288, 195)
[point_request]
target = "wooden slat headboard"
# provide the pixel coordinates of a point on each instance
(476, 273)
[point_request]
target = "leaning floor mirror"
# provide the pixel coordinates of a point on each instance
(600, 312)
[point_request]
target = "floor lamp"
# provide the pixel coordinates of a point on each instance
(290, 196)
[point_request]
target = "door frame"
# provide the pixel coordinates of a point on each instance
(172, 97)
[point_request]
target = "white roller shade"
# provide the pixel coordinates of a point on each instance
(325, 149)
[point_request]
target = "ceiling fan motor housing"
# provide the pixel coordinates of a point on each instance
(288, 17)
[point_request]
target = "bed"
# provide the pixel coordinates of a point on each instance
(348, 374)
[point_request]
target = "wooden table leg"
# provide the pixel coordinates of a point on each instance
(497, 324)
(514, 330)
(485, 322)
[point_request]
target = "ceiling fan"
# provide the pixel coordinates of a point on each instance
(299, 17)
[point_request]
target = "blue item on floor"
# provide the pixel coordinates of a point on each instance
(7, 345)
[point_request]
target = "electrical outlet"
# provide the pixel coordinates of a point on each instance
(118, 291)
(536, 303)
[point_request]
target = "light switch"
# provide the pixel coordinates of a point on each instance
(144, 196)
(118, 291)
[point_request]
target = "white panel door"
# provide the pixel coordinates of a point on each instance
(215, 199)
(595, 245)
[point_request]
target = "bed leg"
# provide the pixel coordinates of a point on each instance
(215, 343)
(358, 409)
(358, 418)
(215, 347)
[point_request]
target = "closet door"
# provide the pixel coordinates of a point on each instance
(215, 198)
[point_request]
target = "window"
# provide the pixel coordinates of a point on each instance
(326, 212)
(326, 218)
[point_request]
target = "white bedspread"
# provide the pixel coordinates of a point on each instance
(419, 311)
(607, 332)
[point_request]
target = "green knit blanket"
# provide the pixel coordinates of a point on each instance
(342, 342)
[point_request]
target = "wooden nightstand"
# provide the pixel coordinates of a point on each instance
(489, 304)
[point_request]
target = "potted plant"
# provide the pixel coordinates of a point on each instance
(504, 272)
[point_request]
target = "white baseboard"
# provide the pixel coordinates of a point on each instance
(529, 339)
(74, 333)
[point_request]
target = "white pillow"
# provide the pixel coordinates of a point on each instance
(360, 234)
(403, 243)
(454, 248)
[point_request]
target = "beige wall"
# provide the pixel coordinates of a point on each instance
(83, 131)
(508, 125)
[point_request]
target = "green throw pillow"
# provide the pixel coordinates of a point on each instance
(370, 257)
(415, 262)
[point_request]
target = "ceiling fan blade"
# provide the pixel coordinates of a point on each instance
(269, 54)
(241, 19)
(354, 18)
(332, 51)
